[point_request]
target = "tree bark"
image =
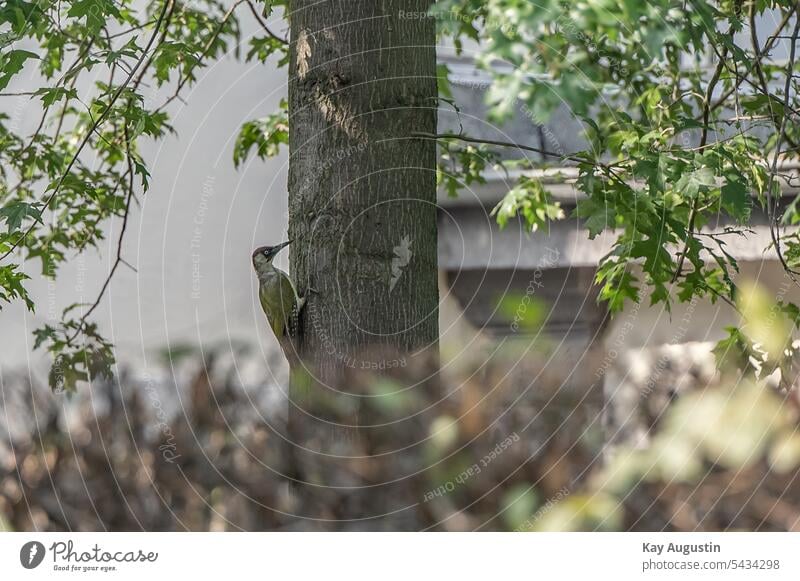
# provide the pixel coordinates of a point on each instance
(362, 192)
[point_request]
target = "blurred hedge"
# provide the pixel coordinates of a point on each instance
(492, 447)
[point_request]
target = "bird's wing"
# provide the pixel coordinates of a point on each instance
(281, 306)
(271, 308)
(289, 296)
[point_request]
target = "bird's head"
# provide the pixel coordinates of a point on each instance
(263, 255)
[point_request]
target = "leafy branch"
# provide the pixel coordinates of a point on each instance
(71, 214)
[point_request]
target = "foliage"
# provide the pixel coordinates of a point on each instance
(95, 68)
(266, 135)
(530, 200)
(688, 112)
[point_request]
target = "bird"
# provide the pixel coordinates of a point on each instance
(279, 299)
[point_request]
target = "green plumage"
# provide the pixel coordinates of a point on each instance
(279, 299)
(279, 302)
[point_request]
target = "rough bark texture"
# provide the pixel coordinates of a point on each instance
(362, 193)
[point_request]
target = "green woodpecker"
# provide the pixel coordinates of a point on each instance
(279, 298)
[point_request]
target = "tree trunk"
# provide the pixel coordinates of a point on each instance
(362, 193)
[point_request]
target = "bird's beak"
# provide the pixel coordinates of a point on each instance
(275, 249)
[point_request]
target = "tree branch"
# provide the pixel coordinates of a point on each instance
(119, 260)
(759, 54)
(776, 238)
(92, 129)
(467, 139)
(712, 83)
(185, 78)
(264, 24)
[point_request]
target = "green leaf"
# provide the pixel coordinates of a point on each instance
(52, 95)
(690, 184)
(732, 352)
(11, 286)
(530, 200)
(95, 12)
(46, 333)
(443, 81)
(736, 200)
(12, 62)
(15, 212)
(618, 285)
(598, 216)
(266, 135)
